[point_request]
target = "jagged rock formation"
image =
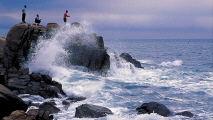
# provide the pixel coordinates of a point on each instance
(9, 102)
(18, 42)
(129, 58)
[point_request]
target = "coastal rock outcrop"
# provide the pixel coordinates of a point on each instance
(87, 50)
(21, 82)
(92, 111)
(18, 42)
(9, 102)
(153, 107)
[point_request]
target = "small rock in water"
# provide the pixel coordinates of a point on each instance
(92, 111)
(75, 99)
(185, 113)
(153, 107)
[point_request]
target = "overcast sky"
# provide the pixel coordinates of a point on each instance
(119, 19)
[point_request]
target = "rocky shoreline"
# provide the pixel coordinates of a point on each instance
(16, 80)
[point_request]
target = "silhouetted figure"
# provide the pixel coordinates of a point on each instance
(65, 16)
(24, 14)
(37, 20)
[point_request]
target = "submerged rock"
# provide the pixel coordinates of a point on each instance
(185, 113)
(129, 58)
(153, 107)
(9, 102)
(92, 111)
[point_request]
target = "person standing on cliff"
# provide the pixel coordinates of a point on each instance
(24, 14)
(65, 16)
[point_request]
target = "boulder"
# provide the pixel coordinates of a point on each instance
(129, 58)
(185, 113)
(153, 107)
(92, 111)
(18, 115)
(32, 114)
(87, 50)
(2, 45)
(9, 102)
(48, 106)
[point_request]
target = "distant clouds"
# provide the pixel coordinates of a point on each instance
(120, 19)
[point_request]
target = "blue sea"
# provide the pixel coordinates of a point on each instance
(178, 73)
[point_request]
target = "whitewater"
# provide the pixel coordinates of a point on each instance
(178, 74)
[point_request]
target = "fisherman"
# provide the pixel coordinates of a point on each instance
(65, 16)
(37, 20)
(24, 14)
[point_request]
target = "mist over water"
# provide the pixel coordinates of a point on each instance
(178, 74)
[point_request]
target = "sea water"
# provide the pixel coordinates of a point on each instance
(178, 73)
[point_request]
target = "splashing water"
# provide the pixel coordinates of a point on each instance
(170, 82)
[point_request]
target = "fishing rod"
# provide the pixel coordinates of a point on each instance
(74, 10)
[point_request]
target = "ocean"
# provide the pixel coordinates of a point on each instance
(177, 73)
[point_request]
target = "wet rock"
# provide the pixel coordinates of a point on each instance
(92, 111)
(18, 115)
(32, 114)
(47, 79)
(129, 58)
(185, 113)
(49, 106)
(18, 42)
(75, 99)
(10, 102)
(65, 102)
(36, 77)
(153, 107)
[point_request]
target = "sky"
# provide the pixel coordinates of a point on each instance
(119, 19)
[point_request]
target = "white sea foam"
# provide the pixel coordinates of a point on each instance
(174, 63)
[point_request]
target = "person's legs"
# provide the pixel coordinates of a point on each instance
(23, 17)
(65, 20)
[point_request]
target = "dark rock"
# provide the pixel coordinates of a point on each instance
(2, 45)
(36, 77)
(32, 114)
(86, 50)
(185, 113)
(92, 111)
(18, 42)
(47, 106)
(153, 107)
(44, 115)
(75, 99)
(19, 115)
(129, 58)
(65, 102)
(9, 102)
(18, 82)
(47, 79)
